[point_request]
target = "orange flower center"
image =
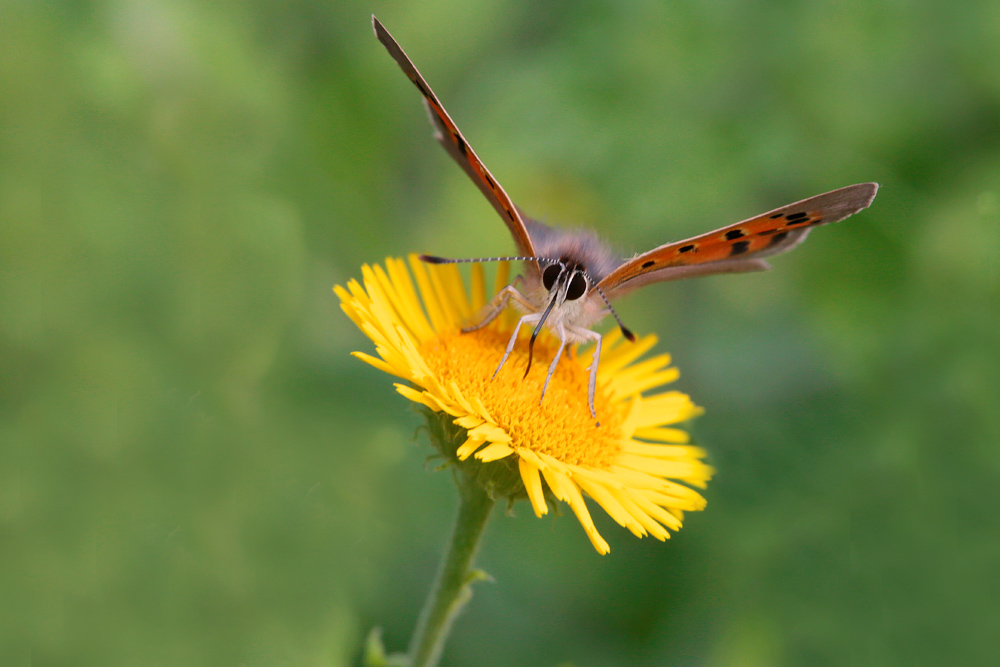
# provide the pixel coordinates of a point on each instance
(561, 425)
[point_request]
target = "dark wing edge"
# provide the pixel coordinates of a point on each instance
(448, 134)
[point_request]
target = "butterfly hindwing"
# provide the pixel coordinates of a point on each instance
(742, 246)
(451, 138)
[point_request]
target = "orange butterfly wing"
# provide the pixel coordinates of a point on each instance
(742, 246)
(448, 134)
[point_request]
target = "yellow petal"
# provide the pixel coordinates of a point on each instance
(493, 452)
(533, 485)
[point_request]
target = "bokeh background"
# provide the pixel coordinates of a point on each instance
(193, 471)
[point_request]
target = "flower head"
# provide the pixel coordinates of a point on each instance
(631, 464)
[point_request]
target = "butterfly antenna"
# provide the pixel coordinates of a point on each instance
(625, 330)
(431, 259)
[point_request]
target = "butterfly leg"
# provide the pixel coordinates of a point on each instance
(530, 318)
(592, 388)
(552, 367)
(497, 305)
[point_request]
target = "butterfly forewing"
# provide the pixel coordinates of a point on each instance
(456, 145)
(739, 247)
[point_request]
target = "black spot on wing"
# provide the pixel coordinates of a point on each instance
(776, 216)
(648, 264)
(739, 248)
(460, 142)
(778, 238)
(734, 234)
(686, 248)
(421, 86)
(797, 218)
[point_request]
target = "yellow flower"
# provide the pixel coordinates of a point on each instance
(630, 464)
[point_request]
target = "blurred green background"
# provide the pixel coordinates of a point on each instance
(193, 471)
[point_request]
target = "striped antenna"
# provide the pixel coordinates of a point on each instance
(431, 259)
(625, 330)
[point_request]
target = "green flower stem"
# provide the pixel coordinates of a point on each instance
(452, 589)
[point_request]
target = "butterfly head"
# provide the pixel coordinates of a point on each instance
(571, 288)
(566, 278)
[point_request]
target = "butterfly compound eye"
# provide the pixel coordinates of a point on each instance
(550, 274)
(577, 287)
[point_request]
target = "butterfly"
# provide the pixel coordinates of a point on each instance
(571, 277)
